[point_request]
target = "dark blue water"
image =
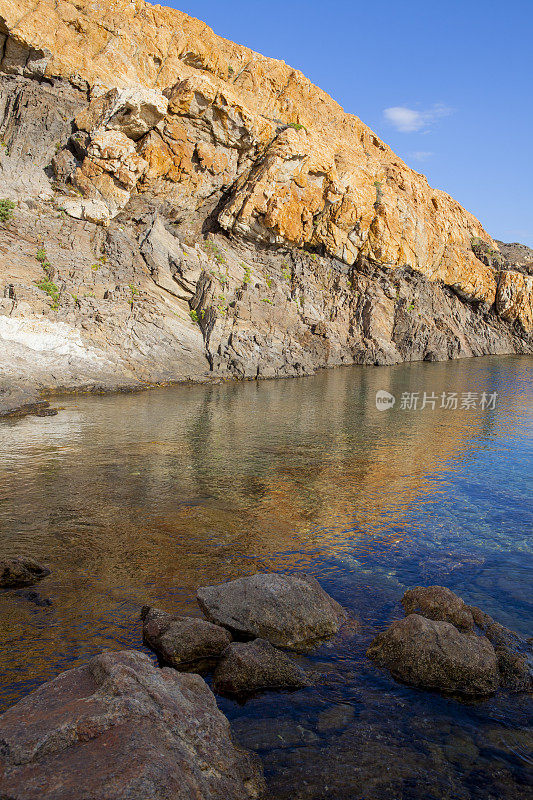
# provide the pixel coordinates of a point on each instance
(140, 499)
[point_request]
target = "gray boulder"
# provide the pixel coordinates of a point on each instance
(122, 729)
(249, 667)
(16, 572)
(183, 642)
(288, 610)
(438, 603)
(435, 655)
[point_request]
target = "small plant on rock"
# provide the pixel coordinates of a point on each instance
(6, 209)
(51, 289)
(296, 126)
(247, 273)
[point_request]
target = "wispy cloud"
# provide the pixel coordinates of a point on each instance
(410, 120)
(420, 155)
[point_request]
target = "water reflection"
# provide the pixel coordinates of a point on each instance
(141, 498)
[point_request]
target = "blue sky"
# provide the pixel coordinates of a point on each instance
(448, 85)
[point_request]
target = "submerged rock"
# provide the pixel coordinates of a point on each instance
(335, 717)
(121, 728)
(15, 572)
(438, 603)
(436, 655)
(249, 667)
(515, 654)
(287, 610)
(33, 597)
(183, 642)
(273, 733)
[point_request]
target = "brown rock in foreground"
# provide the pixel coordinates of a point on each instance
(287, 610)
(435, 655)
(15, 572)
(186, 643)
(248, 667)
(121, 729)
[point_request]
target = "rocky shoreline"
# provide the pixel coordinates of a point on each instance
(141, 730)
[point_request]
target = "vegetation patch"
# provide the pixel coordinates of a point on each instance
(51, 289)
(6, 209)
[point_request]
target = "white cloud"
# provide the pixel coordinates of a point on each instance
(409, 120)
(420, 155)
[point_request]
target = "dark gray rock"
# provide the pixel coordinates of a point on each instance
(248, 667)
(517, 256)
(288, 610)
(438, 603)
(435, 655)
(514, 653)
(487, 254)
(185, 643)
(122, 729)
(15, 572)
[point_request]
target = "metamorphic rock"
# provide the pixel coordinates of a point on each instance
(174, 206)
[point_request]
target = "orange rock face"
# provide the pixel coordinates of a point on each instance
(294, 167)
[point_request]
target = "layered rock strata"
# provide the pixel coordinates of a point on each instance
(187, 207)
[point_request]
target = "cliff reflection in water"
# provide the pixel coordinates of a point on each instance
(133, 499)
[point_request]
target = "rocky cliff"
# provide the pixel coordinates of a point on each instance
(185, 207)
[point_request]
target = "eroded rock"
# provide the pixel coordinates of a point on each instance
(121, 728)
(287, 610)
(247, 667)
(15, 572)
(435, 655)
(185, 643)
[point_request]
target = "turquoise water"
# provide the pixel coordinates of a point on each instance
(141, 498)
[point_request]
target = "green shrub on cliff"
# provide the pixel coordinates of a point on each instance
(6, 209)
(51, 290)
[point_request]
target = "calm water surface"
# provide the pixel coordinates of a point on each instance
(141, 498)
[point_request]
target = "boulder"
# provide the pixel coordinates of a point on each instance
(438, 603)
(287, 610)
(514, 654)
(249, 667)
(435, 655)
(185, 643)
(15, 572)
(119, 728)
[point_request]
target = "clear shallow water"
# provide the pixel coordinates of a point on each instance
(141, 498)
